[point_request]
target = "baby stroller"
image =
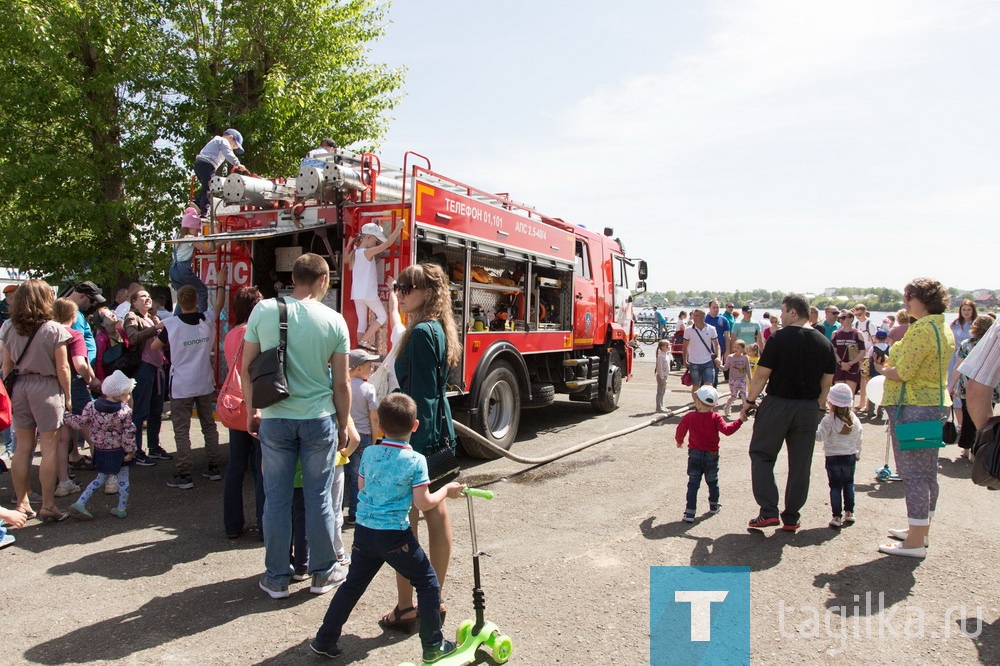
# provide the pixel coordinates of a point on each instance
(677, 350)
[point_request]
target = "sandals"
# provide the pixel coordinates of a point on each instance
(28, 513)
(54, 515)
(394, 620)
(408, 625)
(83, 463)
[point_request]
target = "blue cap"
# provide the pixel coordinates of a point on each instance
(881, 333)
(238, 138)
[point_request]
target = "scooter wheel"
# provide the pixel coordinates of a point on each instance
(464, 631)
(502, 648)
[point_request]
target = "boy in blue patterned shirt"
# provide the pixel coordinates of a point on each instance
(391, 478)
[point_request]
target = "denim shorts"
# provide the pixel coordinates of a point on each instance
(702, 373)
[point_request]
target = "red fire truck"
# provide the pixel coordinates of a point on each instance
(544, 305)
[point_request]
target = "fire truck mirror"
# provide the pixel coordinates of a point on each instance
(640, 287)
(643, 270)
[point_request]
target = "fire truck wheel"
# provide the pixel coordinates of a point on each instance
(499, 412)
(607, 400)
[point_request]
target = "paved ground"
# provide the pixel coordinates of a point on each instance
(571, 545)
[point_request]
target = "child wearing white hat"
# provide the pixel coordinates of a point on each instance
(702, 427)
(113, 435)
(361, 253)
(840, 432)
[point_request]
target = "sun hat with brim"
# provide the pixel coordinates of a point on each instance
(840, 395)
(117, 384)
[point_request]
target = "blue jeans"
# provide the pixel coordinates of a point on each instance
(400, 550)
(840, 472)
(351, 472)
(282, 443)
(147, 404)
(299, 553)
(702, 373)
(180, 275)
(702, 463)
(244, 453)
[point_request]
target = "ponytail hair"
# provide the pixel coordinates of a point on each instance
(844, 415)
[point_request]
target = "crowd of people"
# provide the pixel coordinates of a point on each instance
(807, 383)
(74, 387)
(318, 450)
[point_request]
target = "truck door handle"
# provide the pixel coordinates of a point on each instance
(579, 297)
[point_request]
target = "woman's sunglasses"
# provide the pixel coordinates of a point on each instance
(403, 289)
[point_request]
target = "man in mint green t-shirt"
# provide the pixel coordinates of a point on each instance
(746, 330)
(310, 424)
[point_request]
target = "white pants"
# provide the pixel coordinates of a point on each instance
(373, 304)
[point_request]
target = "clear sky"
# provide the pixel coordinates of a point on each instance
(785, 145)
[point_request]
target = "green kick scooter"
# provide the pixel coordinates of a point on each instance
(472, 634)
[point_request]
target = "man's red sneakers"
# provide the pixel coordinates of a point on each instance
(761, 521)
(790, 528)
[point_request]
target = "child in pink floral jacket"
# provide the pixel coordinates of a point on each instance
(113, 435)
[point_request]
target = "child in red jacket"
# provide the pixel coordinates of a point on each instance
(703, 425)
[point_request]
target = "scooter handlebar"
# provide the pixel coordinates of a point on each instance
(476, 492)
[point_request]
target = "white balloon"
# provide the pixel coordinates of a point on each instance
(875, 389)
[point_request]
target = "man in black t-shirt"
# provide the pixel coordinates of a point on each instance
(797, 366)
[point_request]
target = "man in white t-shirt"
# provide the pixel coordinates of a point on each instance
(701, 351)
(192, 337)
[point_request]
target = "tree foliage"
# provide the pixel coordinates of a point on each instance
(103, 106)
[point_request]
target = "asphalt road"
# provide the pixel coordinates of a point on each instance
(570, 545)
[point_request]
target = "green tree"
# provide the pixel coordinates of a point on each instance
(103, 106)
(83, 92)
(285, 74)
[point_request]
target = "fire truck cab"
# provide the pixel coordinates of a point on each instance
(543, 306)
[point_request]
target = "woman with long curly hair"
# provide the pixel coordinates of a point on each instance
(429, 348)
(36, 346)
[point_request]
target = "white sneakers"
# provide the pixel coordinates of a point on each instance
(67, 487)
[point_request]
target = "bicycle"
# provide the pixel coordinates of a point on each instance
(648, 336)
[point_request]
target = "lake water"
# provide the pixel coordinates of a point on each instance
(758, 315)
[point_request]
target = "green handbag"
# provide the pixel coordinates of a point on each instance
(921, 434)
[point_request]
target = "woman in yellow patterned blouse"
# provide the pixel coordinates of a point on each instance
(921, 360)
